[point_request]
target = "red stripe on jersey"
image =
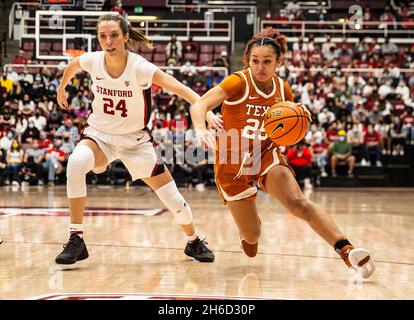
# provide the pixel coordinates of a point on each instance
(145, 109)
(146, 94)
(153, 170)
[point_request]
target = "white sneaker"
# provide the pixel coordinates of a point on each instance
(200, 187)
(384, 152)
(394, 153)
(324, 174)
(379, 164)
(15, 183)
(361, 261)
(401, 153)
(364, 163)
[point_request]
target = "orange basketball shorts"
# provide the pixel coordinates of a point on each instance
(238, 181)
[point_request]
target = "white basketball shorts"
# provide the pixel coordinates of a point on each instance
(136, 151)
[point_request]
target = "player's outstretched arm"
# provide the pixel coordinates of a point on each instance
(165, 81)
(71, 70)
(171, 84)
(212, 98)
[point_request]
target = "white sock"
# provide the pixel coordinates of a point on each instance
(76, 228)
(193, 237)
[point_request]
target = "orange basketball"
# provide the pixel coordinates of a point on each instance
(286, 123)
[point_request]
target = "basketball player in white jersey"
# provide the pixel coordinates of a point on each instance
(117, 130)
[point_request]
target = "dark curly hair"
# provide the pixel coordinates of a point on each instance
(268, 37)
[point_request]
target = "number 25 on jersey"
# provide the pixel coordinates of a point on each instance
(257, 128)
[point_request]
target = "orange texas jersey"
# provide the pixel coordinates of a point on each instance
(246, 106)
(238, 164)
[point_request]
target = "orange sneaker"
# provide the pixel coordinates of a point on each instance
(249, 250)
(358, 259)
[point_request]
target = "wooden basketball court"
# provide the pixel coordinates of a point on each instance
(136, 249)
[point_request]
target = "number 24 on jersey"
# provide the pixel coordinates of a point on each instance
(109, 108)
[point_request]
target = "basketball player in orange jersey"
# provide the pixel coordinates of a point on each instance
(245, 97)
(117, 129)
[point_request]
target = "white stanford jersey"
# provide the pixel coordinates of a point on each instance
(121, 105)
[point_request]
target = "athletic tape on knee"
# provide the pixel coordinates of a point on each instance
(175, 202)
(80, 162)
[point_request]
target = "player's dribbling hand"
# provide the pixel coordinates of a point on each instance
(204, 136)
(215, 121)
(305, 109)
(62, 99)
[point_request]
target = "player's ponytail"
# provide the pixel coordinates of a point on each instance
(136, 38)
(268, 37)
